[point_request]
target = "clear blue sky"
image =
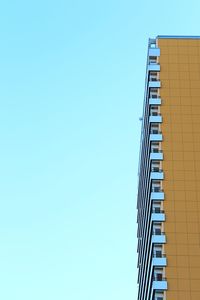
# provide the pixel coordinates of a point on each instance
(71, 89)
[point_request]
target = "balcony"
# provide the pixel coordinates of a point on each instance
(157, 173)
(157, 196)
(156, 154)
(153, 67)
(154, 52)
(159, 284)
(158, 216)
(158, 238)
(154, 84)
(156, 136)
(159, 261)
(155, 118)
(154, 100)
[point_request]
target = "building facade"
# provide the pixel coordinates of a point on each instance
(169, 172)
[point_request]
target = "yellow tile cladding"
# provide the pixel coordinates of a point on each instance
(180, 94)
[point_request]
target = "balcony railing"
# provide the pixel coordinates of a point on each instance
(159, 255)
(153, 79)
(159, 284)
(157, 211)
(159, 277)
(152, 62)
(155, 131)
(158, 232)
(155, 150)
(154, 101)
(156, 169)
(155, 96)
(158, 297)
(157, 189)
(155, 113)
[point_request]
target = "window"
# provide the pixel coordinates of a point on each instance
(156, 207)
(156, 186)
(154, 93)
(153, 76)
(155, 147)
(154, 111)
(153, 45)
(159, 296)
(153, 60)
(157, 228)
(154, 128)
(155, 166)
(158, 274)
(157, 250)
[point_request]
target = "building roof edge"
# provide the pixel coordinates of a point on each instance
(178, 37)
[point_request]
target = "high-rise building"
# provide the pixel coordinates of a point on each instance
(169, 172)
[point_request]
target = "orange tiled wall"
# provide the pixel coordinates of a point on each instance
(180, 93)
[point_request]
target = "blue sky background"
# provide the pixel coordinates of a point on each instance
(71, 89)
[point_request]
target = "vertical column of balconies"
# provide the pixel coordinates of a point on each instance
(151, 216)
(144, 207)
(143, 197)
(159, 261)
(143, 192)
